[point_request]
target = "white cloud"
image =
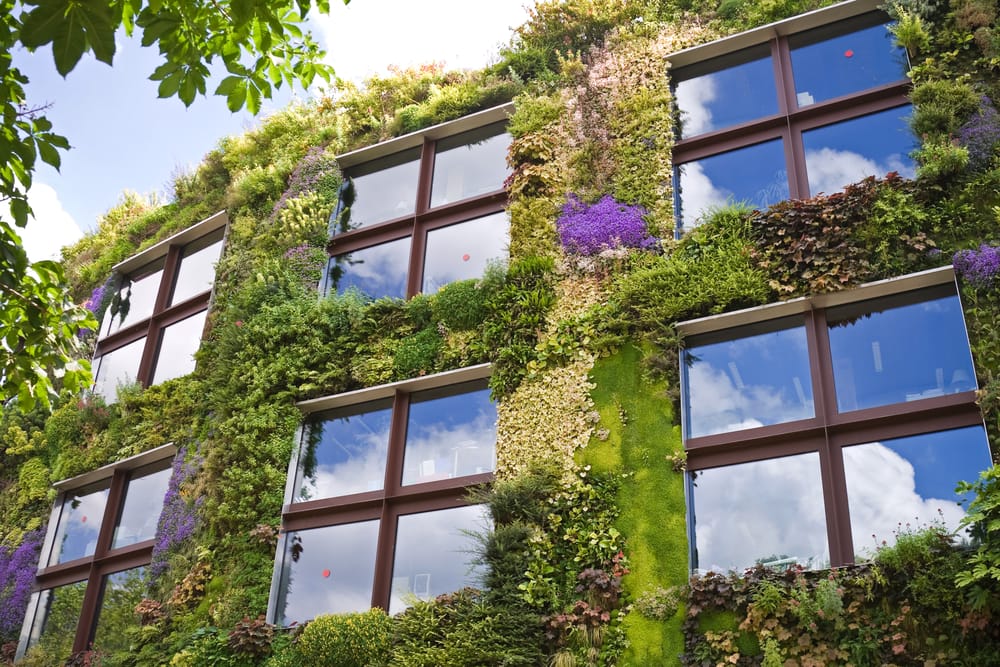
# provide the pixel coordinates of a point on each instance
(699, 193)
(364, 38)
(50, 228)
(693, 98)
(830, 169)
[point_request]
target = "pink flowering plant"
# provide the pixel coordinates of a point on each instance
(589, 229)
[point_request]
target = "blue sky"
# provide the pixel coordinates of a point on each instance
(125, 138)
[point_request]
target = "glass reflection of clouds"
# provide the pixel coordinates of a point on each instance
(196, 272)
(469, 164)
(844, 64)
(141, 510)
(462, 251)
(434, 553)
(333, 573)
(754, 174)
(349, 453)
(378, 271)
(768, 512)
(849, 151)
(79, 524)
(450, 437)
(178, 344)
(385, 189)
(910, 482)
(747, 382)
(728, 96)
(878, 361)
(117, 368)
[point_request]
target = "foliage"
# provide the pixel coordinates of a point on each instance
(251, 637)
(941, 107)
(351, 640)
(980, 577)
(587, 229)
(940, 159)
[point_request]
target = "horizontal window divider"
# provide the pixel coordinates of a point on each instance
(332, 515)
(442, 486)
(370, 235)
(884, 423)
(850, 106)
(134, 555)
(752, 435)
(730, 138)
(62, 574)
(736, 450)
(182, 311)
(122, 337)
(465, 209)
(308, 507)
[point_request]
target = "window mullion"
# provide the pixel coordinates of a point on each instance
(382, 586)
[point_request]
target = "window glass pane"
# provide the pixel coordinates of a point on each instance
(749, 381)
(754, 174)
(385, 189)
(910, 483)
(178, 343)
(138, 296)
(470, 164)
(434, 553)
(196, 272)
(450, 435)
(117, 368)
(79, 524)
(735, 92)
(378, 271)
(54, 627)
(462, 251)
(327, 571)
(898, 349)
(346, 452)
(849, 151)
(120, 593)
(826, 65)
(768, 512)
(141, 510)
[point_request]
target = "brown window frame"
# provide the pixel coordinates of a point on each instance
(424, 218)
(390, 502)
(791, 121)
(104, 561)
(829, 431)
(171, 252)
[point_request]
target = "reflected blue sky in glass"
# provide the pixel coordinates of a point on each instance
(727, 97)
(754, 174)
(846, 152)
(904, 353)
(333, 574)
(79, 524)
(747, 382)
(910, 482)
(845, 64)
(378, 271)
(450, 436)
(434, 554)
(462, 251)
(769, 511)
(141, 511)
(385, 189)
(349, 453)
(469, 165)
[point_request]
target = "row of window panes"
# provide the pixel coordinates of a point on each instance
(827, 63)
(466, 165)
(333, 568)
(836, 155)
(884, 351)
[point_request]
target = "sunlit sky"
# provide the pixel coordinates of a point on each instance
(125, 138)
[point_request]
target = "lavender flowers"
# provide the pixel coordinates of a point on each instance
(980, 135)
(588, 229)
(978, 267)
(178, 518)
(17, 575)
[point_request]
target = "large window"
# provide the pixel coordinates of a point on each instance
(92, 568)
(164, 302)
(808, 112)
(819, 428)
(375, 510)
(427, 210)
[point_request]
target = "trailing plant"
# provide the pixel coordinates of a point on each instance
(588, 229)
(17, 574)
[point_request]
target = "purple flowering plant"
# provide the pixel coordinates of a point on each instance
(180, 513)
(980, 135)
(314, 172)
(17, 576)
(588, 229)
(978, 267)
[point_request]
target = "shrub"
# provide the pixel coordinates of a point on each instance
(347, 640)
(587, 229)
(941, 107)
(461, 305)
(418, 353)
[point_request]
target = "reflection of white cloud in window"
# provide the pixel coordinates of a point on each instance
(434, 554)
(698, 193)
(364, 469)
(79, 525)
(377, 266)
(694, 97)
(438, 451)
(462, 251)
(831, 169)
(773, 192)
(718, 405)
(883, 497)
(761, 511)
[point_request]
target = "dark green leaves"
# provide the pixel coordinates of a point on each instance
(72, 28)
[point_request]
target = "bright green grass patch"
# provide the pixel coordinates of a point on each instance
(640, 437)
